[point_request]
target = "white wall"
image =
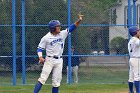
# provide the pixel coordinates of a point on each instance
(115, 31)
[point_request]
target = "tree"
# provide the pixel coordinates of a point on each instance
(5, 32)
(39, 12)
(119, 45)
(95, 12)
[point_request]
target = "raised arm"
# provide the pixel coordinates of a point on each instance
(80, 18)
(77, 23)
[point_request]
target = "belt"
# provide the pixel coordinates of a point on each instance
(56, 57)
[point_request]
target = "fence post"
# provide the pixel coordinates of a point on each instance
(14, 40)
(23, 43)
(129, 13)
(134, 13)
(69, 44)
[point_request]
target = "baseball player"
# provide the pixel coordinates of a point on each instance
(134, 61)
(53, 43)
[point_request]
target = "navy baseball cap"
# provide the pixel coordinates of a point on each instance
(133, 30)
(53, 24)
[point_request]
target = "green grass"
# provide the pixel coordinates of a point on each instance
(96, 74)
(77, 88)
(97, 79)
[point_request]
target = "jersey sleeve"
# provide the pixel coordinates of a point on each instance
(64, 33)
(42, 43)
(72, 27)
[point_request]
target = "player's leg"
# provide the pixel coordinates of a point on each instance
(37, 88)
(130, 84)
(75, 72)
(55, 89)
(131, 79)
(44, 75)
(57, 75)
(136, 66)
(137, 85)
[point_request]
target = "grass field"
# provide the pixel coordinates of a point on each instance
(75, 88)
(93, 75)
(97, 79)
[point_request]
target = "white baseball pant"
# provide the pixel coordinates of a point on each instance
(54, 65)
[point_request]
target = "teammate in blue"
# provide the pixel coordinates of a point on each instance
(134, 61)
(53, 43)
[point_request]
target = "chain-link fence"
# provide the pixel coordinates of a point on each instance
(101, 39)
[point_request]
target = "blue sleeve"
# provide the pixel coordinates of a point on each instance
(72, 27)
(39, 50)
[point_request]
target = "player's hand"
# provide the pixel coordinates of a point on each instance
(41, 60)
(80, 16)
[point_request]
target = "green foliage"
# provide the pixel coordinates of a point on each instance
(95, 12)
(81, 43)
(119, 45)
(46, 10)
(5, 32)
(36, 12)
(42, 11)
(5, 12)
